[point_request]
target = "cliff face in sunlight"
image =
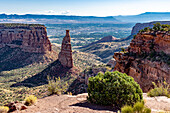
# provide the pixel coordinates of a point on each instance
(29, 37)
(147, 59)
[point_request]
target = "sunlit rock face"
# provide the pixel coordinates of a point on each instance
(29, 37)
(65, 56)
(141, 68)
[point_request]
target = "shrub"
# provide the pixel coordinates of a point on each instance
(157, 26)
(4, 109)
(123, 50)
(30, 100)
(159, 90)
(141, 31)
(137, 108)
(146, 110)
(146, 29)
(134, 36)
(127, 109)
(140, 108)
(55, 86)
(114, 88)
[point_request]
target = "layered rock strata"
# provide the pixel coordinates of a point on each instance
(137, 62)
(65, 56)
(29, 37)
(139, 26)
(148, 41)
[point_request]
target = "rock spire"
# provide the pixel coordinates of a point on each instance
(65, 56)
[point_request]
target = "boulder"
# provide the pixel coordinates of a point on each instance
(16, 106)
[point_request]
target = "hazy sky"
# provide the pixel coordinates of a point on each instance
(84, 7)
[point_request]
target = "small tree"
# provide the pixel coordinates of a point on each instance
(146, 29)
(55, 86)
(157, 26)
(114, 88)
(123, 50)
(134, 36)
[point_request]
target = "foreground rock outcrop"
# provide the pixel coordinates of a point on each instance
(29, 37)
(65, 56)
(147, 59)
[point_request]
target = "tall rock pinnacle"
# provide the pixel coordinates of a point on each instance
(65, 56)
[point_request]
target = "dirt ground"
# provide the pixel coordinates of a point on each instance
(78, 104)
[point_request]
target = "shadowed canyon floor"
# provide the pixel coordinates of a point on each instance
(79, 104)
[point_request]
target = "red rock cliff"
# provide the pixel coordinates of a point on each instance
(29, 37)
(65, 56)
(140, 63)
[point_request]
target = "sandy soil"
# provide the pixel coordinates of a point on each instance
(78, 104)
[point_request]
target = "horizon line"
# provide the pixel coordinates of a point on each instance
(77, 15)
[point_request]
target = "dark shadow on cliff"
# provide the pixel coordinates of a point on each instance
(54, 69)
(86, 104)
(14, 58)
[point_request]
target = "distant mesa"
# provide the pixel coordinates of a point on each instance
(107, 39)
(29, 37)
(140, 26)
(65, 56)
(104, 39)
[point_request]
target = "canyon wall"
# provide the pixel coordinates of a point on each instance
(29, 37)
(147, 59)
(140, 26)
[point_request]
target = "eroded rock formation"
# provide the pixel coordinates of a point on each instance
(140, 26)
(146, 42)
(140, 63)
(65, 56)
(29, 37)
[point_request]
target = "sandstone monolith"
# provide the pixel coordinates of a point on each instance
(65, 56)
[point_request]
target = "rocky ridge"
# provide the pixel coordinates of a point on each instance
(29, 37)
(142, 61)
(140, 26)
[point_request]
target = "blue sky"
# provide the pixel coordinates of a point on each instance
(84, 7)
